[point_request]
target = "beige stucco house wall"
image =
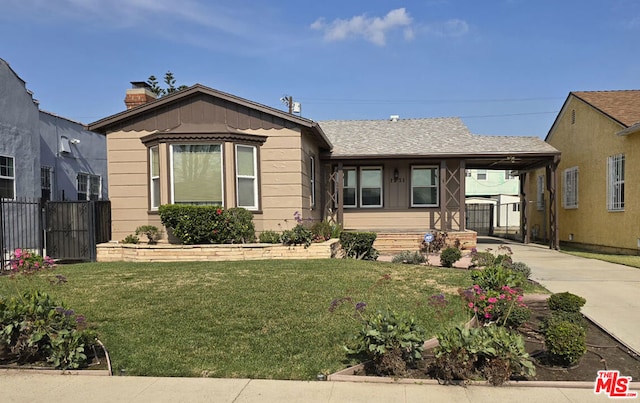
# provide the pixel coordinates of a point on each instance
(590, 128)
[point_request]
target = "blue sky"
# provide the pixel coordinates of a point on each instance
(504, 66)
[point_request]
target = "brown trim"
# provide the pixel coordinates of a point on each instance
(168, 137)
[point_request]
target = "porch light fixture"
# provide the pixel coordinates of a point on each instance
(396, 175)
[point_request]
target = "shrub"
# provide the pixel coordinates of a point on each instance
(35, 328)
(503, 307)
(409, 257)
(359, 245)
(565, 301)
(208, 224)
(270, 236)
(495, 277)
(131, 239)
(561, 316)
(522, 268)
(299, 235)
(565, 342)
(482, 259)
(491, 351)
(390, 340)
(449, 256)
(27, 262)
(152, 233)
(439, 242)
(321, 231)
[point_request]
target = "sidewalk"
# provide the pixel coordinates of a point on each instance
(70, 389)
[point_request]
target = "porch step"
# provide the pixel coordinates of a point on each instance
(393, 243)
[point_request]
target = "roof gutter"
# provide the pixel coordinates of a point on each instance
(630, 130)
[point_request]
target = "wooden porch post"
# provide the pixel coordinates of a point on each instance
(340, 195)
(524, 208)
(443, 195)
(462, 195)
(552, 181)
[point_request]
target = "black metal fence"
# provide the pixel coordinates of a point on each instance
(61, 230)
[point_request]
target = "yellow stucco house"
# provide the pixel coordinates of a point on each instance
(203, 146)
(598, 203)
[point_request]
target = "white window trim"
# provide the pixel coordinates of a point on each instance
(540, 193)
(570, 188)
(87, 183)
(154, 204)
(615, 186)
(12, 178)
(371, 168)
(312, 180)
(355, 186)
(437, 186)
(222, 170)
(254, 177)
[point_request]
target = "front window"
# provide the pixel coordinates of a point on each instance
(312, 180)
(424, 186)
(247, 177)
(481, 175)
(7, 178)
(615, 183)
(350, 187)
(371, 187)
(89, 187)
(154, 176)
(45, 183)
(196, 174)
(570, 188)
(540, 193)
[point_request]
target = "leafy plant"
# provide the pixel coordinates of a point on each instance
(566, 302)
(495, 277)
(269, 236)
(36, 329)
(152, 233)
(409, 257)
(565, 342)
(499, 257)
(504, 307)
(449, 256)
(132, 239)
(359, 245)
(26, 262)
(391, 340)
(520, 267)
(491, 351)
(439, 242)
(240, 226)
(299, 235)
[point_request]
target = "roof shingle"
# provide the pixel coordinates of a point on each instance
(623, 106)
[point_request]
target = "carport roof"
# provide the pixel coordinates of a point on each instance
(433, 138)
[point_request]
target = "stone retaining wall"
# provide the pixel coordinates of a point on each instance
(115, 252)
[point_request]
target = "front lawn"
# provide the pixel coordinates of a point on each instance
(627, 260)
(258, 319)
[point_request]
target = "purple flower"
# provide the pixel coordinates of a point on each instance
(360, 306)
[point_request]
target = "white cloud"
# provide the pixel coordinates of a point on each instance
(373, 29)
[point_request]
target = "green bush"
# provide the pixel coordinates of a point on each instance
(495, 277)
(517, 316)
(565, 342)
(520, 267)
(131, 239)
(208, 224)
(561, 316)
(321, 231)
(270, 236)
(390, 340)
(409, 257)
(565, 301)
(491, 351)
(152, 233)
(37, 329)
(299, 235)
(482, 259)
(359, 245)
(449, 256)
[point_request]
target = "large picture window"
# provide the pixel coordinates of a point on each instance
(615, 183)
(196, 174)
(371, 187)
(424, 186)
(247, 177)
(154, 176)
(7, 178)
(570, 188)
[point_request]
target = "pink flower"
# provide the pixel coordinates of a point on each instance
(486, 315)
(493, 300)
(519, 299)
(470, 304)
(502, 296)
(483, 297)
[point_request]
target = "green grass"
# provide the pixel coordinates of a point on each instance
(261, 319)
(627, 260)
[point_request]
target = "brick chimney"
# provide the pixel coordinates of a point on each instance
(139, 94)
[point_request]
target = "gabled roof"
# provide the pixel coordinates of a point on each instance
(622, 106)
(102, 124)
(435, 137)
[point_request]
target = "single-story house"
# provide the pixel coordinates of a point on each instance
(203, 146)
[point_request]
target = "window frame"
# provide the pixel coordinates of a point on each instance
(254, 177)
(355, 187)
(154, 180)
(312, 181)
(172, 176)
(361, 188)
(436, 170)
(570, 186)
(87, 186)
(540, 192)
(46, 182)
(615, 182)
(482, 172)
(11, 177)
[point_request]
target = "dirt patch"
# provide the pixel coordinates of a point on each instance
(603, 353)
